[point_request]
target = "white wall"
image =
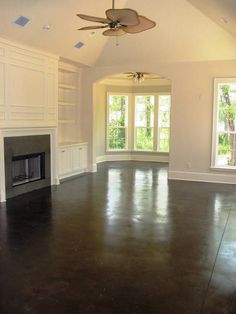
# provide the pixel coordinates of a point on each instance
(191, 114)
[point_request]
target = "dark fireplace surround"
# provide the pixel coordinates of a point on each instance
(31, 153)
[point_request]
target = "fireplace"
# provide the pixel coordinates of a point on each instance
(27, 163)
(28, 168)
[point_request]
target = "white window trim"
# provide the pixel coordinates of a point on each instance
(157, 131)
(214, 148)
(130, 135)
(108, 150)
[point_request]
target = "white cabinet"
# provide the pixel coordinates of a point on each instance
(72, 159)
(65, 161)
(79, 157)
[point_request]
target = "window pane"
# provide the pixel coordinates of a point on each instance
(226, 124)
(117, 110)
(164, 122)
(144, 122)
(164, 139)
(144, 138)
(116, 138)
(226, 149)
(117, 121)
(164, 111)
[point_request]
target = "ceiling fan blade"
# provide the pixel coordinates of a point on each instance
(114, 32)
(123, 16)
(91, 27)
(144, 25)
(94, 18)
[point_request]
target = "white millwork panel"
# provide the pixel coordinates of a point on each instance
(73, 159)
(28, 87)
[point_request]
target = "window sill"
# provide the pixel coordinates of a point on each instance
(137, 151)
(217, 168)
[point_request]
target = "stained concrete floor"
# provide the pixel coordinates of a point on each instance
(123, 241)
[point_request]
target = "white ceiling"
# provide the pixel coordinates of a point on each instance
(183, 33)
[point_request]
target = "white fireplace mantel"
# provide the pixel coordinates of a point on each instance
(14, 132)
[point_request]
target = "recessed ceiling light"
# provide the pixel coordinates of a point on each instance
(47, 27)
(79, 45)
(92, 34)
(22, 21)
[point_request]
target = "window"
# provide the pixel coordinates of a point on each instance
(117, 122)
(224, 133)
(163, 123)
(138, 122)
(144, 122)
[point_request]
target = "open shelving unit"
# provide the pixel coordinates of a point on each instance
(68, 82)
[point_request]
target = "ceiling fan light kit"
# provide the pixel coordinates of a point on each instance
(119, 22)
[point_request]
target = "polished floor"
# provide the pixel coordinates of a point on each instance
(122, 241)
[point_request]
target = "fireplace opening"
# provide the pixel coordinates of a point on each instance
(28, 168)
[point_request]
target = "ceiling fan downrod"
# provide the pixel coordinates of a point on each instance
(113, 4)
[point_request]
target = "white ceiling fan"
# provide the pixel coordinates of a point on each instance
(119, 22)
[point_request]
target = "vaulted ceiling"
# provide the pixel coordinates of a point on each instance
(193, 30)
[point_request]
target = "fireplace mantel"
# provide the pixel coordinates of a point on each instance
(15, 132)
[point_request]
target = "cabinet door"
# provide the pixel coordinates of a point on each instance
(65, 161)
(76, 158)
(79, 158)
(83, 157)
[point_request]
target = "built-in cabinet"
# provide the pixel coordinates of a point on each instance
(72, 159)
(72, 154)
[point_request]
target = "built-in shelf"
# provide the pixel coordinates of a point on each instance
(66, 104)
(66, 121)
(67, 86)
(68, 78)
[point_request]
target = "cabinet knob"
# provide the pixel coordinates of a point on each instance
(63, 151)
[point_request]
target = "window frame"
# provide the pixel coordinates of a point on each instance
(158, 128)
(154, 123)
(130, 128)
(215, 133)
(126, 127)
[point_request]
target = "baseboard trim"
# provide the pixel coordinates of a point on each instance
(134, 157)
(202, 177)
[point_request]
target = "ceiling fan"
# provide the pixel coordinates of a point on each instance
(137, 76)
(119, 22)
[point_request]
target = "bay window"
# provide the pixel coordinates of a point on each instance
(138, 122)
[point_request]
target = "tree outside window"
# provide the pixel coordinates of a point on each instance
(144, 122)
(163, 123)
(226, 133)
(117, 122)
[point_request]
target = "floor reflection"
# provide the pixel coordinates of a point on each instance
(122, 240)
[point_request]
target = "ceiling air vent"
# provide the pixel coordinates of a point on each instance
(79, 45)
(22, 21)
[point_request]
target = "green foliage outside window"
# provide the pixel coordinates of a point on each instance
(144, 122)
(117, 122)
(226, 124)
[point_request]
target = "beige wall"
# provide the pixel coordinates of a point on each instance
(191, 114)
